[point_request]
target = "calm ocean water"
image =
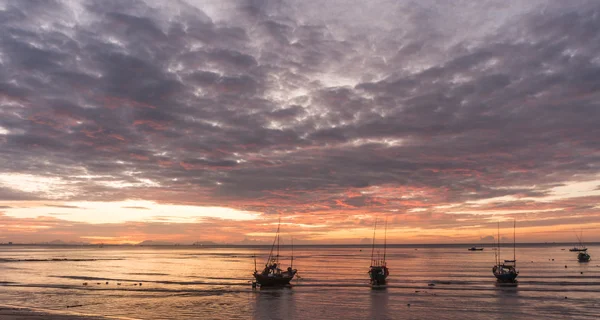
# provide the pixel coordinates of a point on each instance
(214, 283)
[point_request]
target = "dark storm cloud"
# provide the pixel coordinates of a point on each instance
(270, 97)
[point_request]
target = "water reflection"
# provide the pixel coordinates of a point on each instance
(508, 300)
(379, 304)
(274, 303)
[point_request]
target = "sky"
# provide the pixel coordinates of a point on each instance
(186, 120)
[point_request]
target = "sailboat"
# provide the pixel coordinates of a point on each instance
(506, 272)
(272, 275)
(579, 247)
(378, 271)
(476, 248)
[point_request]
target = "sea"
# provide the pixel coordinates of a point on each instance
(187, 282)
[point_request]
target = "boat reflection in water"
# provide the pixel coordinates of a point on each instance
(274, 303)
(379, 308)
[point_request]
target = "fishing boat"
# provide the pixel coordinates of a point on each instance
(583, 257)
(506, 271)
(272, 275)
(580, 247)
(378, 271)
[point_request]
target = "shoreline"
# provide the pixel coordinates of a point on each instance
(23, 313)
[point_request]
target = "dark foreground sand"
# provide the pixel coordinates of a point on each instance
(15, 313)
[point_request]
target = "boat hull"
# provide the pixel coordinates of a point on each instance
(505, 275)
(271, 280)
(583, 257)
(378, 275)
(509, 277)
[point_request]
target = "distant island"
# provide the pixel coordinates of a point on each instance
(254, 243)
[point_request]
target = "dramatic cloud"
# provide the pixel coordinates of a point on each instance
(445, 117)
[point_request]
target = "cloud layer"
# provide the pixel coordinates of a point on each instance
(442, 116)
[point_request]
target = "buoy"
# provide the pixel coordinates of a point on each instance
(582, 272)
(565, 265)
(106, 282)
(135, 284)
(552, 259)
(97, 282)
(565, 297)
(118, 283)
(408, 304)
(85, 283)
(140, 284)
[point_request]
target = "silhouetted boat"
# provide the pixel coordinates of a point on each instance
(378, 271)
(506, 272)
(583, 257)
(272, 275)
(579, 247)
(475, 249)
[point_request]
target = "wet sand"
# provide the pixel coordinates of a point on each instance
(12, 313)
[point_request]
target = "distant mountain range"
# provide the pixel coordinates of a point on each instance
(64, 243)
(252, 242)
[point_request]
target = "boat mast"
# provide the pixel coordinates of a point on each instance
(373, 248)
(292, 262)
(278, 226)
(384, 240)
(498, 259)
(514, 242)
(276, 240)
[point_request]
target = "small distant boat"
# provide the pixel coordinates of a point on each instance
(475, 249)
(378, 271)
(581, 247)
(272, 275)
(583, 257)
(506, 272)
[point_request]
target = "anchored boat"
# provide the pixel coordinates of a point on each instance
(378, 271)
(272, 275)
(506, 271)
